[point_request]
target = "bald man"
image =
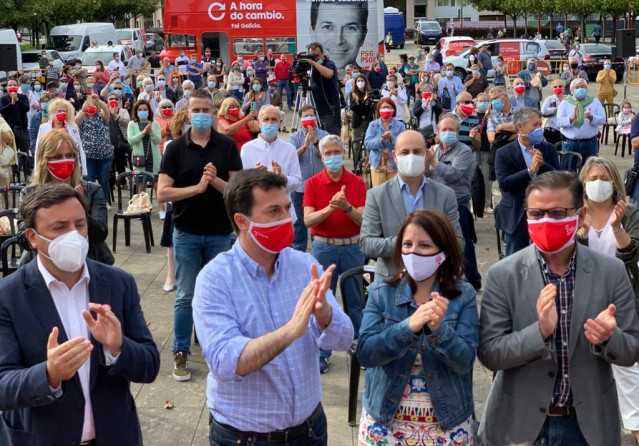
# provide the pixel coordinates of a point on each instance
(389, 203)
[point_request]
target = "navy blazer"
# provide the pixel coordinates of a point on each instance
(31, 415)
(513, 178)
(528, 102)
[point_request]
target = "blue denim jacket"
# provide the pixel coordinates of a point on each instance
(388, 348)
(374, 144)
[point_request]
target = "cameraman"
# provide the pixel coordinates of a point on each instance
(324, 88)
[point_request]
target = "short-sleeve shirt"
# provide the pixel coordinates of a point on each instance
(184, 162)
(325, 90)
(318, 193)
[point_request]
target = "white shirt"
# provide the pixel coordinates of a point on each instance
(588, 129)
(399, 100)
(119, 65)
(605, 243)
(74, 132)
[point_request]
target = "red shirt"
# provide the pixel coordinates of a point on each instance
(241, 137)
(318, 192)
(281, 71)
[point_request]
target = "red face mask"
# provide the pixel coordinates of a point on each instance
(272, 237)
(519, 89)
(166, 112)
(349, 72)
(61, 117)
(91, 110)
(234, 112)
(113, 104)
(378, 69)
(467, 109)
(12, 89)
(207, 54)
(309, 122)
(391, 71)
(558, 91)
(61, 169)
(427, 94)
(385, 114)
(550, 235)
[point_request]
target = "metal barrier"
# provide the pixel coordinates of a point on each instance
(550, 68)
(633, 72)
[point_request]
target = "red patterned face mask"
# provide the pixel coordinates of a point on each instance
(113, 104)
(467, 109)
(386, 114)
(234, 112)
(61, 117)
(61, 169)
(92, 110)
(166, 112)
(427, 94)
(272, 237)
(550, 235)
(519, 89)
(558, 91)
(309, 121)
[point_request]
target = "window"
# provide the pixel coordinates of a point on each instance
(181, 40)
(531, 49)
(247, 45)
(445, 2)
(281, 45)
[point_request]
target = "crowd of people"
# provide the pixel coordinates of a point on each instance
(557, 325)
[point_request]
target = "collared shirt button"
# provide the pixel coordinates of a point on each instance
(563, 311)
(566, 376)
(565, 343)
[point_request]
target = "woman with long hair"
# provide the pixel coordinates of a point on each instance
(380, 141)
(231, 121)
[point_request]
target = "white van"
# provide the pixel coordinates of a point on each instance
(104, 54)
(70, 41)
(134, 38)
(10, 59)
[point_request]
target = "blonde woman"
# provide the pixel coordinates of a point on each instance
(56, 161)
(164, 119)
(8, 152)
(612, 227)
(232, 122)
(147, 93)
(549, 110)
(62, 116)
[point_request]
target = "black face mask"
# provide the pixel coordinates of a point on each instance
(574, 66)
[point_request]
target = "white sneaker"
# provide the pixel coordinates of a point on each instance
(168, 287)
(108, 207)
(162, 214)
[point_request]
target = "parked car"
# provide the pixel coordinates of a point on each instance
(427, 31)
(510, 49)
(451, 46)
(131, 37)
(596, 53)
(556, 49)
(31, 61)
(154, 42)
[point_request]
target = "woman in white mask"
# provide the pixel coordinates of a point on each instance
(418, 340)
(611, 226)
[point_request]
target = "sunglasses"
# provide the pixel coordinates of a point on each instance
(116, 88)
(167, 106)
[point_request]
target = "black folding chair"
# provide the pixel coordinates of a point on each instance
(138, 182)
(10, 195)
(612, 110)
(10, 262)
(353, 366)
(570, 161)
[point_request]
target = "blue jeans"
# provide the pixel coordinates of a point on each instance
(559, 431)
(519, 239)
(99, 170)
(344, 257)
(470, 260)
(222, 436)
(191, 253)
(238, 95)
(300, 242)
(285, 85)
(587, 149)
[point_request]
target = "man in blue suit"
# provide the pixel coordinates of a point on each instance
(73, 336)
(516, 164)
(519, 98)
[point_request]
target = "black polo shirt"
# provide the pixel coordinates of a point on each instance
(184, 161)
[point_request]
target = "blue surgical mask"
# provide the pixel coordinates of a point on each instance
(148, 87)
(381, 59)
(497, 105)
(482, 107)
(334, 163)
(63, 86)
(355, 75)
(536, 136)
(256, 87)
(201, 121)
(429, 60)
(143, 114)
(271, 90)
(187, 93)
(249, 72)
(211, 84)
(261, 58)
(187, 127)
(37, 87)
(475, 72)
(449, 73)
(269, 131)
(448, 138)
(607, 66)
(140, 83)
(118, 93)
(58, 90)
(531, 66)
(45, 107)
(26, 87)
(499, 62)
(581, 92)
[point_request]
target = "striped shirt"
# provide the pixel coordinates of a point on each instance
(562, 394)
(310, 160)
(497, 118)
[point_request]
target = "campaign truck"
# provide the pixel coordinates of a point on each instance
(394, 23)
(351, 32)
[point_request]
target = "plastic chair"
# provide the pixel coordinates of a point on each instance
(354, 369)
(570, 161)
(137, 180)
(11, 196)
(9, 262)
(623, 137)
(611, 121)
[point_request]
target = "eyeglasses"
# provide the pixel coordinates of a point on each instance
(466, 102)
(555, 213)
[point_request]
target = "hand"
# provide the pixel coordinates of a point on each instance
(127, 104)
(7, 137)
(147, 129)
(418, 319)
(79, 188)
(298, 324)
(114, 76)
(14, 97)
(253, 114)
(585, 223)
(339, 200)
(260, 166)
(387, 135)
(96, 98)
(574, 115)
(588, 114)
(430, 155)
(473, 132)
(600, 329)
(322, 311)
(618, 213)
(211, 172)
(547, 311)
(106, 329)
(393, 92)
(64, 360)
(436, 310)
(203, 184)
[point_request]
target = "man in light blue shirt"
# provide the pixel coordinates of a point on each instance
(262, 311)
(451, 84)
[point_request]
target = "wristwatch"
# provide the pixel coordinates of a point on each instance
(349, 209)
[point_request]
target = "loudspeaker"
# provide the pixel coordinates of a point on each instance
(626, 42)
(8, 57)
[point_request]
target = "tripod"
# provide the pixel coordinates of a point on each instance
(304, 97)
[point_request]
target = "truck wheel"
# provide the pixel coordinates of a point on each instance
(460, 72)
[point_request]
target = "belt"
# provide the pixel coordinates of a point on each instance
(581, 140)
(560, 411)
(281, 436)
(337, 241)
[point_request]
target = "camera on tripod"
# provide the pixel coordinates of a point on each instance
(301, 66)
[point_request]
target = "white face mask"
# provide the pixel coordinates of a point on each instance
(421, 267)
(390, 84)
(598, 190)
(67, 251)
(361, 85)
(411, 165)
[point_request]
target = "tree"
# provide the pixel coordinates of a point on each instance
(116, 10)
(511, 8)
(580, 8)
(614, 9)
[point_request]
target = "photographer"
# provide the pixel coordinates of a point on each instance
(324, 88)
